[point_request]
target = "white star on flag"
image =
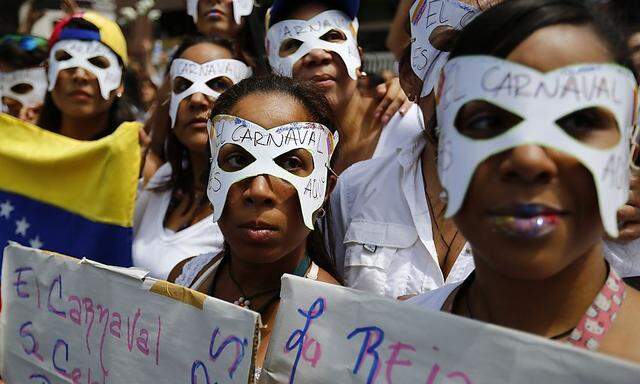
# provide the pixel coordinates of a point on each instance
(22, 226)
(5, 209)
(36, 243)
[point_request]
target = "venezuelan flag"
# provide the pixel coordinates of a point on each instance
(69, 196)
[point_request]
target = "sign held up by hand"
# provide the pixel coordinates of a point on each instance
(330, 334)
(71, 321)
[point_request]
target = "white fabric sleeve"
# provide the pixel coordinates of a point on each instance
(624, 258)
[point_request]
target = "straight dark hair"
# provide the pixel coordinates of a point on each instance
(177, 154)
(310, 97)
(500, 29)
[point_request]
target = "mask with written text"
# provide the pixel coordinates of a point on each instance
(290, 40)
(265, 146)
(196, 78)
(541, 101)
(434, 24)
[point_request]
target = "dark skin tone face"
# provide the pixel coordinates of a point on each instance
(535, 174)
(193, 111)
(262, 220)
(325, 68)
(215, 17)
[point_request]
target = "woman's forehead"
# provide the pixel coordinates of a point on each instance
(270, 110)
(204, 52)
(559, 46)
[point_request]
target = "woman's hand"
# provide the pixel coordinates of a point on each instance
(629, 215)
(392, 99)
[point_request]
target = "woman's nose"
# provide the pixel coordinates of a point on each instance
(200, 100)
(259, 192)
(80, 74)
(528, 164)
(317, 57)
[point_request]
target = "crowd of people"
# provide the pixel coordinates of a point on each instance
(494, 178)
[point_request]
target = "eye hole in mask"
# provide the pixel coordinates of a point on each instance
(220, 84)
(334, 36)
(22, 88)
(594, 126)
(232, 158)
(100, 62)
(289, 47)
(180, 84)
(62, 55)
(297, 161)
(480, 120)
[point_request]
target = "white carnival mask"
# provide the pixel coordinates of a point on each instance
(540, 100)
(240, 8)
(309, 35)
(266, 145)
(199, 75)
(27, 86)
(85, 55)
(430, 19)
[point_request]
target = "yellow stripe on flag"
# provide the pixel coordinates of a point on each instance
(94, 179)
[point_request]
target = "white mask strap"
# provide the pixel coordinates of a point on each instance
(309, 36)
(91, 56)
(36, 78)
(199, 75)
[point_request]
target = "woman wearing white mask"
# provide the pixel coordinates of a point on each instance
(533, 153)
(23, 78)
(173, 216)
(317, 41)
(87, 56)
(392, 238)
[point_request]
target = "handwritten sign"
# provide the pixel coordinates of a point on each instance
(331, 334)
(71, 321)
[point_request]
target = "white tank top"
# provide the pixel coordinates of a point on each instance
(159, 249)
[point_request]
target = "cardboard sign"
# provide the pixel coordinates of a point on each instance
(75, 321)
(330, 334)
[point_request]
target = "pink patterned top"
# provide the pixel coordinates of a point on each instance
(595, 323)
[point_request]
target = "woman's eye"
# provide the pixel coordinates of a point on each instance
(594, 126)
(334, 35)
(62, 55)
(180, 84)
(290, 163)
(289, 47)
(219, 84)
(482, 120)
(237, 161)
(100, 62)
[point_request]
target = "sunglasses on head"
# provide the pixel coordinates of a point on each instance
(26, 42)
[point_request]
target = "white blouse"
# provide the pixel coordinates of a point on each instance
(159, 249)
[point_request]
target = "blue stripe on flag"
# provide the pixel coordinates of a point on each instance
(40, 225)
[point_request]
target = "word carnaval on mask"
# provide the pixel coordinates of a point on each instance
(581, 86)
(141, 334)
(215, 68)
(325, 23)
(300, 136)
